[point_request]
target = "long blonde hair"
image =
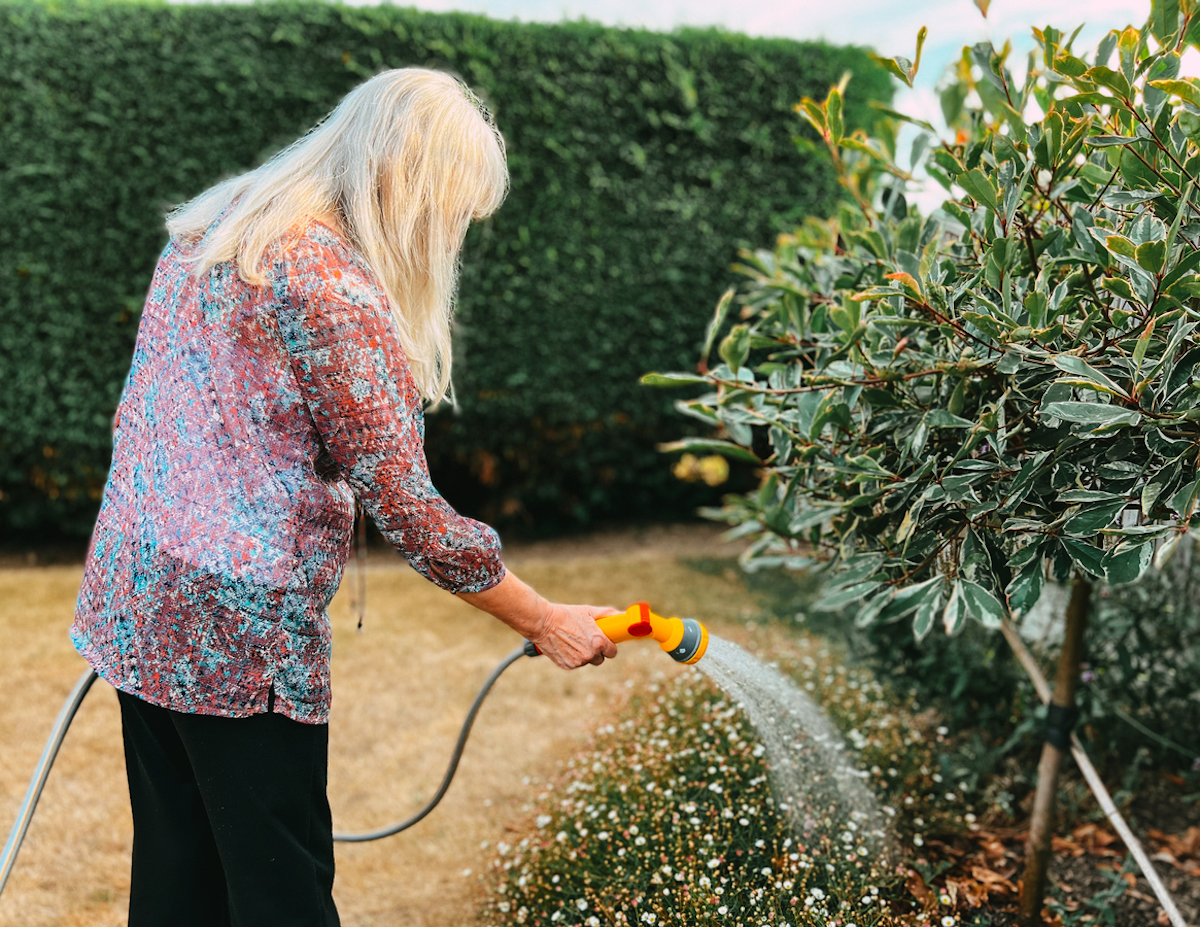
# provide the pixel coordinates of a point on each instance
(403, 163)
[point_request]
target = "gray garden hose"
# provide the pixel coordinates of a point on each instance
(25, 814)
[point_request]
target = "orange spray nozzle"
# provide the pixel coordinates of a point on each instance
(685, 639)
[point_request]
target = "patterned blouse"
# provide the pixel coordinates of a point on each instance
(251, 419)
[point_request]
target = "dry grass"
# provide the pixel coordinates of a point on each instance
(402, 688)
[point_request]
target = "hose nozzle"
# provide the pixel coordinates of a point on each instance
(685, 639)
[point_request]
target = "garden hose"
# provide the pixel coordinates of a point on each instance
(454, 758)
(25, 814)
(685, 639)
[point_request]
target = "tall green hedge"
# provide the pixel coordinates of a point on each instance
(640, 162)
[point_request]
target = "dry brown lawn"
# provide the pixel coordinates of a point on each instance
(401, 690)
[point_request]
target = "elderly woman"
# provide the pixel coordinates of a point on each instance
(297, 321)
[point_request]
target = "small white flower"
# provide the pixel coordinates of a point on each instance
(561, 836)
(466, 872)
(542, 821)
(948, 921)
(639, 841)
(723, 910)
(918, 841)
(581, 904)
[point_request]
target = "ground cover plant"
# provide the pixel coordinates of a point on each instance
(953, 408)
(667, 818)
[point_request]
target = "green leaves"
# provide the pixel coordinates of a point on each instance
(901, 67)
(672, 379)
(982, 605)
(711, 446)
(1126, 563)
(1187, 89)
(991, 390)
(980, 188)
(1091, 413)
(1084, 375)
(736, 347)
(717, 321)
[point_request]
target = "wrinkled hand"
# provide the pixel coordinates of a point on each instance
(570, 636)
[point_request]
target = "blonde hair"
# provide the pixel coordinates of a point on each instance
(403, 163)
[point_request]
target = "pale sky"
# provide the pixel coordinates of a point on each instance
(889, 26)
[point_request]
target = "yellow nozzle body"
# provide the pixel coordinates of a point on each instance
(685, 639)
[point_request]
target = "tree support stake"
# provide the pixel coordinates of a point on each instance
(1025, 658)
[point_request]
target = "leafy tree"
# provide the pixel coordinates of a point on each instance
(950, 409)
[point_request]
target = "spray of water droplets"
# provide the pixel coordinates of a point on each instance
(813, 780)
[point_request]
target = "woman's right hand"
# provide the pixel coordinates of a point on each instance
(567, 634)
(571, 637)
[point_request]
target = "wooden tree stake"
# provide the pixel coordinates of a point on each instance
(1041, 823)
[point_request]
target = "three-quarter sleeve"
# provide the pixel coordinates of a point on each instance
(356, 381)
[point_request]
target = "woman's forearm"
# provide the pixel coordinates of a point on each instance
(516, 604)
(567, 634)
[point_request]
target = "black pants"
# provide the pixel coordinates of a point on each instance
(231, 824)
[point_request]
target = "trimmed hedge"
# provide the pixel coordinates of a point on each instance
(640, 162)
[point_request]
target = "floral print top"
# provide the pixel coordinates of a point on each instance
(251, 418)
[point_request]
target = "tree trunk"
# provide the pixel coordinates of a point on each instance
(1041, 823)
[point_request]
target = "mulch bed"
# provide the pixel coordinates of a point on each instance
(1088, 878)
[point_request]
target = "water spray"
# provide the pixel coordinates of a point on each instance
(685, 639)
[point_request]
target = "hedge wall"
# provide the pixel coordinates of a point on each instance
(640, 162)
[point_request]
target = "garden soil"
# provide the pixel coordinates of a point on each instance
(402, 687)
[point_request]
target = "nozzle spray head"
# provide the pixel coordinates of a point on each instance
(693, 644)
